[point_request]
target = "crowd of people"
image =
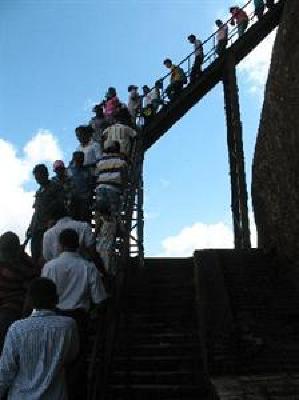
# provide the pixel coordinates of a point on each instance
(46, 299)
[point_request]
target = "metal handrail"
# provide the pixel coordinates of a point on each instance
(211, 53)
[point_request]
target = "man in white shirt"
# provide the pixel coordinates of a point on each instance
(79, 285)
(91, 149)
(78, 281)
(221, 37)
(58, 218)
(199, 57)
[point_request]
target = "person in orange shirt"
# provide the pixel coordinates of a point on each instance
(240, 18)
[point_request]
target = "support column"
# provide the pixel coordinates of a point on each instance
(140, 216)
(239, 197)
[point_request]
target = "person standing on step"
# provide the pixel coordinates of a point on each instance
(46, 196)
(221, 37)
(91, 149)
(177, 79)
(240, 18)
(199, 57)
(16, 272)
(37, 349)
(259, 8)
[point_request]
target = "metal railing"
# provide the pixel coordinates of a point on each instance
(209, 46)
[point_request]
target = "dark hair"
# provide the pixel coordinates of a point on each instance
(69, 239)
(218, 22)
(56, 211)
(40, 168)
(114, 147)
(167, 61)
(9, 243)
(78, 153)
(84, 130)
(42, 293)
(123, 116)
(232, 9)
(191, 37)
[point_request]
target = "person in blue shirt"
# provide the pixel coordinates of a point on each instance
(38, 348)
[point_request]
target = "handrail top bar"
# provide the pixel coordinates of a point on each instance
(203, 43)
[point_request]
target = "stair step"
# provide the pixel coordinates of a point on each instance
(154, 363)
(156, 377)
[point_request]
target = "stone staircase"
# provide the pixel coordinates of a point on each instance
(157, 354)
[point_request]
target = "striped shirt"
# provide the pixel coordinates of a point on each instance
(111, 169)
(35, 352)
(121, 133)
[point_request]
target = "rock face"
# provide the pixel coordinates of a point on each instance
(275, 175)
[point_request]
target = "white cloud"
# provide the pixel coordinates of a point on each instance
(256, 65)
(15, 172)
(198, 236)
(203, 236)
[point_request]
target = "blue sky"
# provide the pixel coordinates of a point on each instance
(58, 57)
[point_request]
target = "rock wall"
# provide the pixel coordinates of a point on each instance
(275, 186)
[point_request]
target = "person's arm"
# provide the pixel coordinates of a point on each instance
(97, 291)
(8, 362)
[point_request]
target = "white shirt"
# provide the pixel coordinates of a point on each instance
(92, 152)
(197, 47)
(77, 280)
(51, 246)
(122, 134)
(222, 33)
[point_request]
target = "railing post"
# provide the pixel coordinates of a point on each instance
(239, 195)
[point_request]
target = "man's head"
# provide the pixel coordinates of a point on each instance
(146, 89)
(41, 174)
(132, 89)
(78, 158)
(192, 39)
(9, 244)
(218, 23)
(233, 9)
(42, 294)
(167, 62)
(69, 240)
(84, 134)
(59, 168)
(123, 116)
(111, 92)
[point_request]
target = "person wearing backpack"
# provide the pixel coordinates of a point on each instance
(177, 79)
(199, 57)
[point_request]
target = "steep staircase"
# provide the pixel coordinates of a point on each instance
(157, 353)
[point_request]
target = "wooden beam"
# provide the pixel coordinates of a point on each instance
(239, 196)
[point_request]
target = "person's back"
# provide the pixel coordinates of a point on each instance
(37, 349)
(122, 134)
(51, 247)
(78, 281)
